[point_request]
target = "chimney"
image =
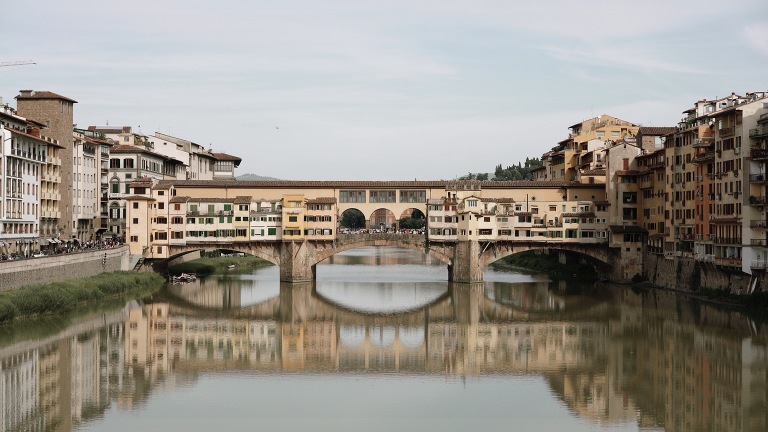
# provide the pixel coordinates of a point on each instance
(35, 132)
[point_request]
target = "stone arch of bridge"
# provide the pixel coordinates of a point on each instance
(382, 217)
(358, 243)
(597, 253)
(267, 255)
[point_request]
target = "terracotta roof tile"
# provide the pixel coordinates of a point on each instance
(322, 200)
(656, 130)
(627, 229)
(33, 94)
(593, 172)
(329, 184)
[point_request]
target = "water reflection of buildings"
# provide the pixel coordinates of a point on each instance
(650, 358)
(59, 382)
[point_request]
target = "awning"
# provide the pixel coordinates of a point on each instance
(43, 242)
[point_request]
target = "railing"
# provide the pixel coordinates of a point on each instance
(730, 262)
(758, 154)
(758, 242)
(728, 240)
(758, 265)
(758, 132)
(703, 142)
(727, 131)
(759, 224)
(757, 178)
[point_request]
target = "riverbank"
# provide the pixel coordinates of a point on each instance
(211, 265)
(64, 296)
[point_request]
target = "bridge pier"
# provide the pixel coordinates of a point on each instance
(466, 265)
(296, 262)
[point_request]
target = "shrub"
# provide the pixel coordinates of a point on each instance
(8, 310)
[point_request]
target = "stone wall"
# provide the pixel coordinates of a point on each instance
(685, 274)
(16, 274)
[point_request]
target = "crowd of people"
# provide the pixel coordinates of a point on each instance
(64, 247)
(380, 231)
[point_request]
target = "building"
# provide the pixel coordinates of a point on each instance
(56, 112)
(23, 160)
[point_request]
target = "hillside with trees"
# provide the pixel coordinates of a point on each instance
(521, 171)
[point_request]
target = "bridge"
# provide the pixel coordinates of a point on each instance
(295, 225)
(466, 259)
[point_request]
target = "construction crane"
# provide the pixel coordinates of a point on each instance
(17, 63)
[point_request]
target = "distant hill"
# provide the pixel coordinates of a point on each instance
(254, 177)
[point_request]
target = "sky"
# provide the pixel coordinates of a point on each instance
(396, 90)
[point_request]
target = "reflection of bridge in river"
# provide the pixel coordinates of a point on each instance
(641, 359)
(462, 331)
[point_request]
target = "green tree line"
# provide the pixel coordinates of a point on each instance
(521, 171)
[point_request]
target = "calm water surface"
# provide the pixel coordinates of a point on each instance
(383, 341)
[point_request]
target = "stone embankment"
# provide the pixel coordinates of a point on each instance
(686, 274)
(19, 273)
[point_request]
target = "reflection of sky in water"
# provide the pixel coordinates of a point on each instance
(264, 285)
(376, 280)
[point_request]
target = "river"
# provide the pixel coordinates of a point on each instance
(381, 341)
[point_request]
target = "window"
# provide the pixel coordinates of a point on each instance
(135, 205)
(382, 196)
(115, 187)
(292, 219)
(419, 196)
(114, 163)
(134, 239)
(348, 196)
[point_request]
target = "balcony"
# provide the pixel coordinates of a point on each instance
(728, 240)
(728, 262)
(758, 224)
(757, 265)
(760, 132)
(758, 242)
(758, 154)
(757, 178)
(727, 131)
(703, 142)
(757, 201)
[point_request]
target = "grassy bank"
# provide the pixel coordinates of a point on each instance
(207, 266)
(65, 296)
(550, 264)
